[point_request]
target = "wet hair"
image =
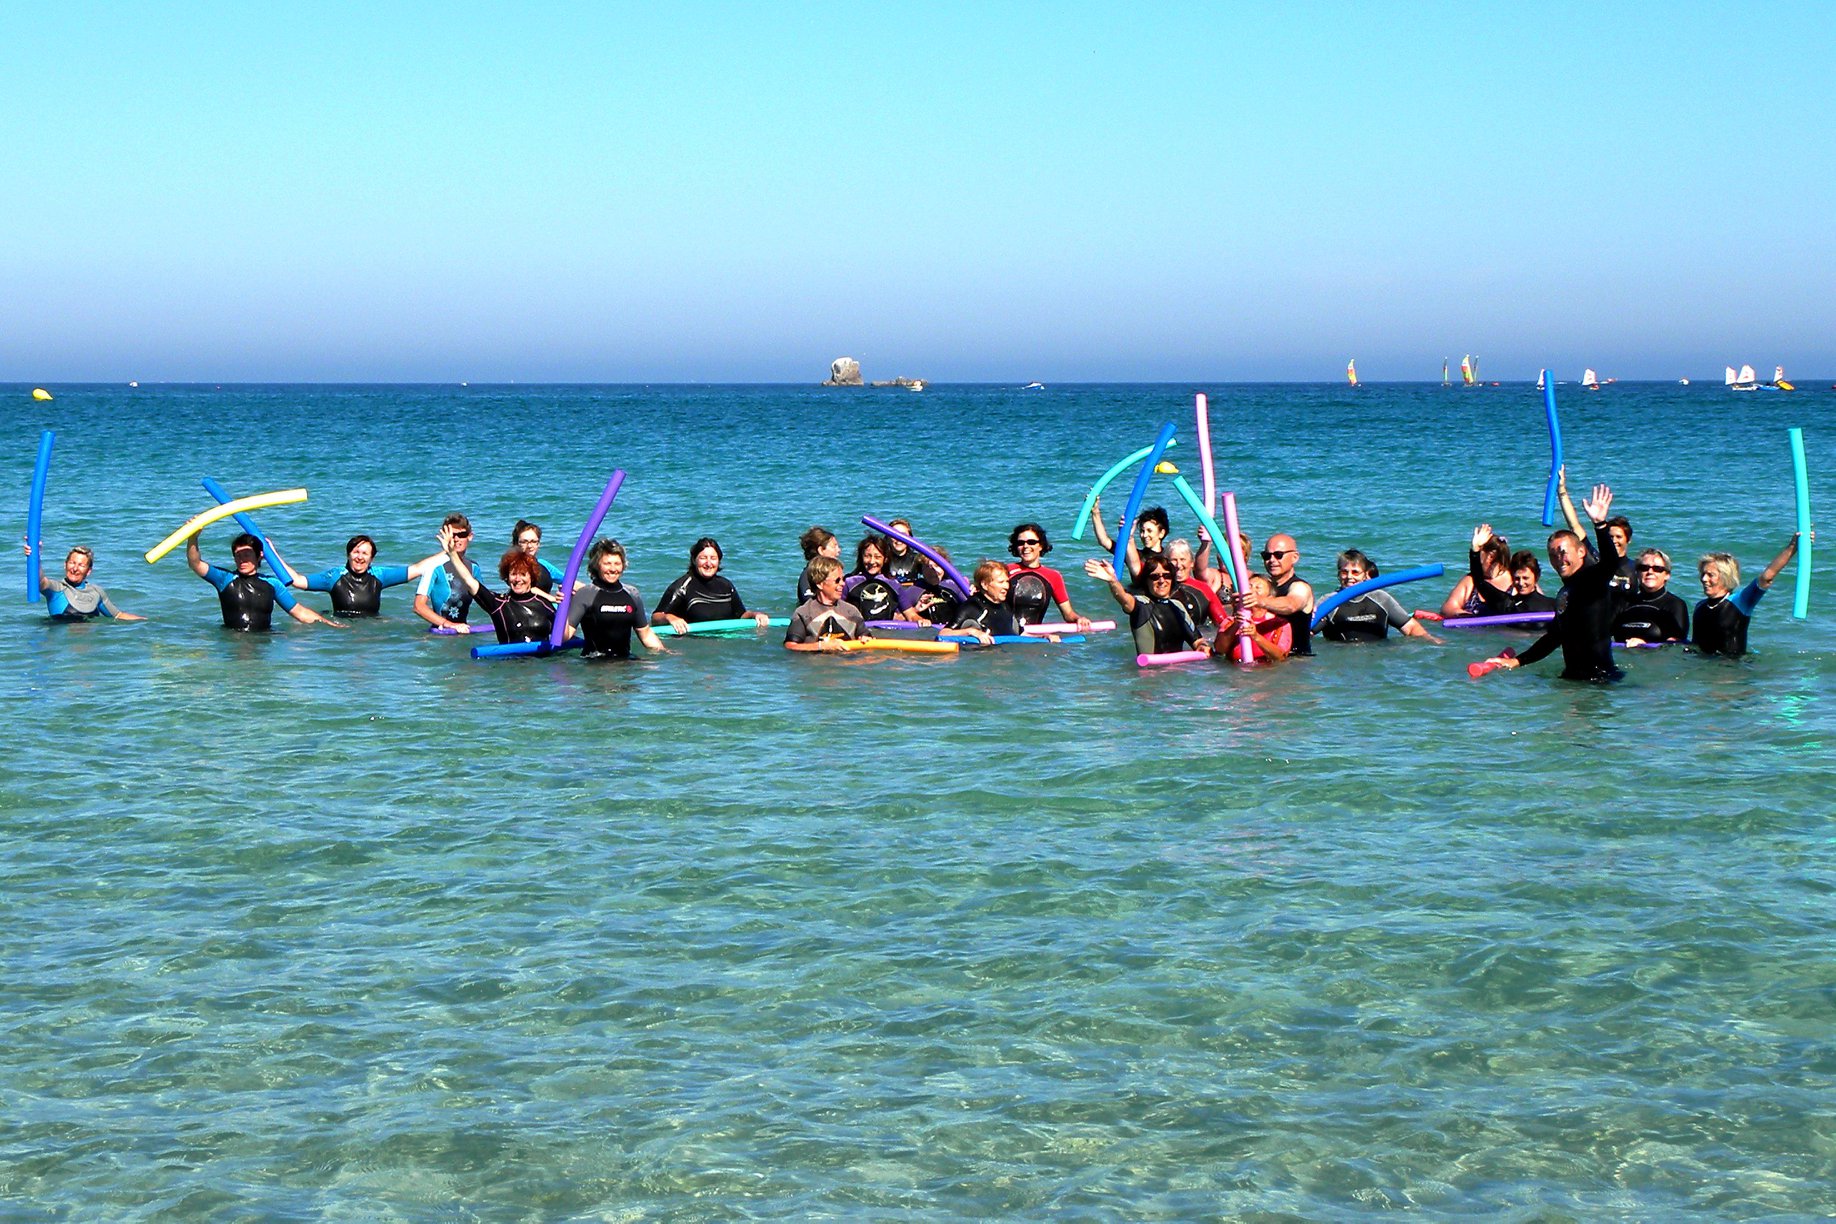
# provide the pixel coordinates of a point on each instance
(351, 544)
(523, 525)
(1525, 559)
(985, 571)
(705, 542)
(1556, 535)
(456, 520)
(860, 551)
(1045, 541)
(1152, 562)
(813, 540)
(1495, 553)
(1725, 567)
(516, 561)
(1352, 556)
(600, 551)
(824, 568)
(1618, 520)
(245, 540)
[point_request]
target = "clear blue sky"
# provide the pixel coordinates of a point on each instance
(713, 192)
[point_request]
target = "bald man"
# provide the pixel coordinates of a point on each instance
(1293, 598)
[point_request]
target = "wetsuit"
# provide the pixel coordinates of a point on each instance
(449, 597)
(906, 567)
(1162, 626)
(547, 577)
(1583, 624)
(1202, 602)
(1368, 618)
(1535, 601)
(84, 601)
(1484, 599)
(937, 602)
(1720, 625)
(354, 594)
(1034, 590)
(980, 612)
(696, 599)
(806, 587)
(1662, 617)
(815, 620)
(878, 597)
(606, 616)
(247, 599)
(517, 618)
(1300, 624)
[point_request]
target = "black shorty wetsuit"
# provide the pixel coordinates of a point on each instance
(517, 618)
(1583, 624)
(1368, 618)
(607, 616)
(1720, 625)
(1031, 597)
(1197, 606)
(979, 612)
(1300, 623)
(696, 599)
(1651, 618)
(1162, 626)
(906, 567)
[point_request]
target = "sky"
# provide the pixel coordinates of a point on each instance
(988, 192)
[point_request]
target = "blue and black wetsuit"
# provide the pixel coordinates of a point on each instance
(1720, 625)
(448, 596)
(354, 594)
(248, 599)
(84, 601)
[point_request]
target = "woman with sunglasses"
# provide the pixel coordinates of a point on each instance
(1720, 624)
(1651, 612)
(442, 600)
(1033, 586)
(702, 594)
(1160, 622)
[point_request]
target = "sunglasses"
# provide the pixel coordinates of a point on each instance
(1025, 543)
(1654, 569)
(1269, 554)
(1160, 576)
(462, 535)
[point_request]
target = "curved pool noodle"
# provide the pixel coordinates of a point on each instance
(743, 624)
(1324, 607)
(1800, 605)
(507, 650)
(1555, 450)
(1096, 490)
(1136, 494)
(572, 572)
(1246, 650)
(198, 522)
(1204, 441)
(1061, 628)
(1210, 524)
(902, 646)
(962, 583)
(1177, 656)
(35, 514)
(1503, 618)
(248, 524)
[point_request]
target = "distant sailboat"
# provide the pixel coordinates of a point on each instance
(1351, 372)
(1468, 367)
(1034, 386)
(1542, 379)
(1778, 379)
(1590, 380)
(1746, 380)
(1444, 381)
(1683, 382)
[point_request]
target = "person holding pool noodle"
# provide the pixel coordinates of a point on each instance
(246, 598)
(826, 622)
(1368, 617)
(356, 587)
(703, 593)
(1160, 622)
(1719, 626)
(73, 597)
(988, 613)
(1583, 624)
(525, 613)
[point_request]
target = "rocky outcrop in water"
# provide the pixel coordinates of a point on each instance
(843, 372)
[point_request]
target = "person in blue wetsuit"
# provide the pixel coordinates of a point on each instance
(356, 587)
(74, 597)
(527, 537)
(1583, 624)
(703, 593)
(442, 600)
(608, 613)
(1719, 626)
(247, 598)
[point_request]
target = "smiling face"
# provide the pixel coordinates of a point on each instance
(872, 559)
(1179, 555)
(1653, 572)
(1712, 586)
(358, 559)
(1523, 581)
(611, 568)
(707, 562)
(76, 567)
(1620, 537)
(995, 586)
(1567, 555)
(1029, 548)
(831, 549)
(519, 582)
(829, 590)
(1152, 533)
(1279, 557)
(529, 541)
(1352, 573)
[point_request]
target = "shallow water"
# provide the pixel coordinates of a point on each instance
(343, 925)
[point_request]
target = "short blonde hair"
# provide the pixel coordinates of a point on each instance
(1725, 566)
(823, 568)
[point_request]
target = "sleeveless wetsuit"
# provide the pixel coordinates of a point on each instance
(1300, 623)
(696, 599)
(979, 612)
(357, 594)
(84, 601)
(1720, 625)
(1661, 617)
(1034, 591)
(607, 616)
(247, 600)
(517, 618)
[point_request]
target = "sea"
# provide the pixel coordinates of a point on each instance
(343, 925)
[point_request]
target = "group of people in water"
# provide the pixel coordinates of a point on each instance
(1176, 597)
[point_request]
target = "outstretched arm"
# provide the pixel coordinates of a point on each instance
(1104, 571)
(1103, 538)
(1568, 507)
(194, 558)
(1779, 562)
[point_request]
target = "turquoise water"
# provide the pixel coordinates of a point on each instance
(343, 925)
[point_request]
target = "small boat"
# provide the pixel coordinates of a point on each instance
(1444, 372)
(1745, 380)
(1682, 382)
(1542, 380)
(1351, 372)
(1590, 380)
(1778, 379)
(1034, 386)
(1469, 370)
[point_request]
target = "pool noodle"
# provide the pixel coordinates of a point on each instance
(1246, 650)
(961, 582)
(1204, 441)
(1060, 628)
(1210, 524)
(1164, 660)
(1800, 606)
(449, 631)
(896, 626)
(1011, 639)
(1503, 618)
(740, 624)
(904, 646)
(1134, 498)
(1096, 490)
(1324, 607)
(248, 524)
(1555, 450)
(198, 522)
(572, 572)
(504, 650)
(35, 513)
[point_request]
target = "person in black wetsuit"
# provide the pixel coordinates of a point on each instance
(1371, 616)
(938, 598)
(1651, 612)
(1160, 622)
(988, 612)
(524, 613)
(1719, 626)
(248, 599)
(1293, 598)
(816, 542)
(871, 590)
(1583, 624)
(1485, 589)
(356, 587)
(1033, 586)
(903, 562)
(606, 612)
(1527, 584)
(703, 593)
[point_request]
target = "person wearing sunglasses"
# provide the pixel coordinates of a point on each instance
(1371, 616)
(1147, 538)
(1292, 598)
(1583, 624)
(247, 598)
(442, 600)
(1160, 622)
(524, 614)
(1034, 586)
(1719, 626)
(1651, 612)
(527, 538)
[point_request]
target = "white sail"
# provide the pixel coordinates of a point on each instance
(1730, 379)
(1747, 375)
(1590, 379)
(1541, 379)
